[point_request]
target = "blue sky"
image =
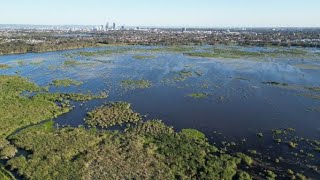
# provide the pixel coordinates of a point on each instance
(188, 13)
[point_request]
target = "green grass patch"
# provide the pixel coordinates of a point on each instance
(112, 114)
(193, 134)
(18, 111)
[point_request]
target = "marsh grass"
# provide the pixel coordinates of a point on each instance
(183, 75)
(225, 53)
(21, 63)
(143, 57)
(175, 49)
(19, 111)
(148, 150)
(136, 84)
(112, 114)
(65, 82)
(198, 95)
(312, 96)
(308, 66)
(274, 83)
(104, 52)
(71, 63)
(5, 175)
(237, 53)
(315, 89)
(36, 62)
(4, 66)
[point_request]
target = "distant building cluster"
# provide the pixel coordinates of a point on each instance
(107, 27)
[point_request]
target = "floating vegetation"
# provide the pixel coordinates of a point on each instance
(235, 53)
(71, 63)
(36, 62)
(252, 151)
(305, 147)
(142, 57)
(112, 114)
(308, 66)
(313, 88)
(136, 84)
(270, 175)
(291, 86)
(260, 135)
(4, 66)
(285, 85)
(241, 78)
(312, 96)
(70, 56)
(301, 176)
(275, 83)
(96, 53)
(65, 82)
(198, 95)
(21, 63)
(292, 144)
(225, 53)
(104, 52)
(183, 75)
(177, 49)
(314, 109)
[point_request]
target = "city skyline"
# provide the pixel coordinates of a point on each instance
(177, 13)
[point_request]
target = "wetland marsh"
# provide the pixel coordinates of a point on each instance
(203, 112)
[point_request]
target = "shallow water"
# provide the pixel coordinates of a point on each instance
(238, 105)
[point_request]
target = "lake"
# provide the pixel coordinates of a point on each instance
(228, 99)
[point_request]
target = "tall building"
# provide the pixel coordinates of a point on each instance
(184, 29)
(114, 26)
(107, 26)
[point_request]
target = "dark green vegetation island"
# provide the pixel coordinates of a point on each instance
(154, 109)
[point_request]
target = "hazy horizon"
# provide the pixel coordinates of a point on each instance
(165, 13)
(191, 27)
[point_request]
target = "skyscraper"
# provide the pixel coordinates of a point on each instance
(114, 26)
(107, 26)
